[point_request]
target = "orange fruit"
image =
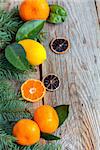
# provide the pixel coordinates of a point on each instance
(33, 90)
(26, 132)
(34, 10)
(47, 119)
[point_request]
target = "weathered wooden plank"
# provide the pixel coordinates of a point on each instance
(79, 73)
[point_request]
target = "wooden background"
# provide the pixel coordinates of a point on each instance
(79, 71)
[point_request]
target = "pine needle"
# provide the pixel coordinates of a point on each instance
(10, 22)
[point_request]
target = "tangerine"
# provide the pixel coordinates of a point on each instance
(34, 10)
(33, 90)
(27, 132)
(47, 119)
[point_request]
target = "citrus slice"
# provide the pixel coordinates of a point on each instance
(51, 82)
(33, 90)
(60, 45)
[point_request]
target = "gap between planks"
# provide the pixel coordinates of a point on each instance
(97, 5)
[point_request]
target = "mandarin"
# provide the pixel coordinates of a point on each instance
(27, 132)
(47, 119)
(34, 10)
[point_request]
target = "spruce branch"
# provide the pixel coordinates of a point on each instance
(6, 140)
(10, 22)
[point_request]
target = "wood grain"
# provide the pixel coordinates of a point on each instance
(79, 73)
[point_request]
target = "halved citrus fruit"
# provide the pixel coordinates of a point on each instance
(33, 90)
(51, 82)
(60, 45)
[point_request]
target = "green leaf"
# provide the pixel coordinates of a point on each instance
(62, 111)
(49, 137)
(15, 54)
(9, 72)
(57, 14)
(29, 30)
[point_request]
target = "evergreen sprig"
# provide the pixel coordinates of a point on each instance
(11, 110)
(6, 141)
(37, 146)
(9, 24)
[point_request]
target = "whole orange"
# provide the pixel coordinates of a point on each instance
(27, 132)
(34, 10)
(47, 119)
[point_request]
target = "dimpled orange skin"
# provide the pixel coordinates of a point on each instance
(34, 10)
(47, 119)
(27, 132)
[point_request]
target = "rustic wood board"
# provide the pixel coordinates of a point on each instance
(79, 72)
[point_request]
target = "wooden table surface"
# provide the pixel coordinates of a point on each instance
(79, 72)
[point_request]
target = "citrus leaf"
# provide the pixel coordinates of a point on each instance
(15, 54)
(29, 30)
(57, 14)
(62, 111)
(49, 137)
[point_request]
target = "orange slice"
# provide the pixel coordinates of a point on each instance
(60, 45)
(33, 90)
